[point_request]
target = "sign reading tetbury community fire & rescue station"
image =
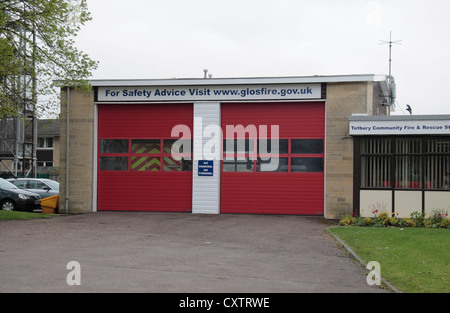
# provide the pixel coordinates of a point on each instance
(400, 127)
(208, 93)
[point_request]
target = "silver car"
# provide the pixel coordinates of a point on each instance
(42, 186)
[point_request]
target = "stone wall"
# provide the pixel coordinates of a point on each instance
(81, 152)
(343, 99)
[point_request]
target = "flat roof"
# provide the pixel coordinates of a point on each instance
(239, 81)
(381, 118)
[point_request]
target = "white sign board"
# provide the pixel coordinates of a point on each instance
(398, 127)
(207, 93)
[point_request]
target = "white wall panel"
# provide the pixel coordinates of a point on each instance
(407, 202)
(437, 201)
(207, 146)
(375, 202)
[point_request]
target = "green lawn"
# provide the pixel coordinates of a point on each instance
(16, 215)
(414, 260)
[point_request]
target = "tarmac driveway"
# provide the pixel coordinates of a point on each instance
(176, 252)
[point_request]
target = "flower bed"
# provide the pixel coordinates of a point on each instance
(437, 219)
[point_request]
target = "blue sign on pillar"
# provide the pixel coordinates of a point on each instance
(205, 168)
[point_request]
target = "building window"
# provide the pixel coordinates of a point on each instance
(44, 164)
(375, 163)
(113, 163)
(146, 155)
(436, 164)
(272, 164)
(307, 164)
(307, 146)
(44, 152)
(405, 163)
(233, 164)
(45, 142)
(302, 155)
(114, 146)
(375, 172)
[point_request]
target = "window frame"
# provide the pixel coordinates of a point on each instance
(256, 155)
(394, 155)
(45, 141)
(130, 154)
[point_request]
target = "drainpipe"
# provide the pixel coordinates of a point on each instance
(67, 150)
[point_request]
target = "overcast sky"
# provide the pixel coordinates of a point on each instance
(146, 39)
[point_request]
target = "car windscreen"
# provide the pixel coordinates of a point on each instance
(6, 185)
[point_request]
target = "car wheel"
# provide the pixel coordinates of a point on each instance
(8, 205)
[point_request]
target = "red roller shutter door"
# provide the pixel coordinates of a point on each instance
(293, 190)
(135, 170)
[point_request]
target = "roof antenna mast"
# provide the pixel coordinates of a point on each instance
(391, 82)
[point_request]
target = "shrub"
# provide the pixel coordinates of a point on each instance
(445, 223)
(381, 220)
(393, 221)
(436, 219)
(346, 221)
(367, 221)
(407, 222)
(384, 218)
(418, 218)
(357, 221)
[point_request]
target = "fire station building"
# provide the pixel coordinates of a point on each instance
(276, 145)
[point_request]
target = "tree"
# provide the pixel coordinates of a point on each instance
(37, 51)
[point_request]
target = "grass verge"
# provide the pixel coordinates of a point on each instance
(17, 215)
(414, 260)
